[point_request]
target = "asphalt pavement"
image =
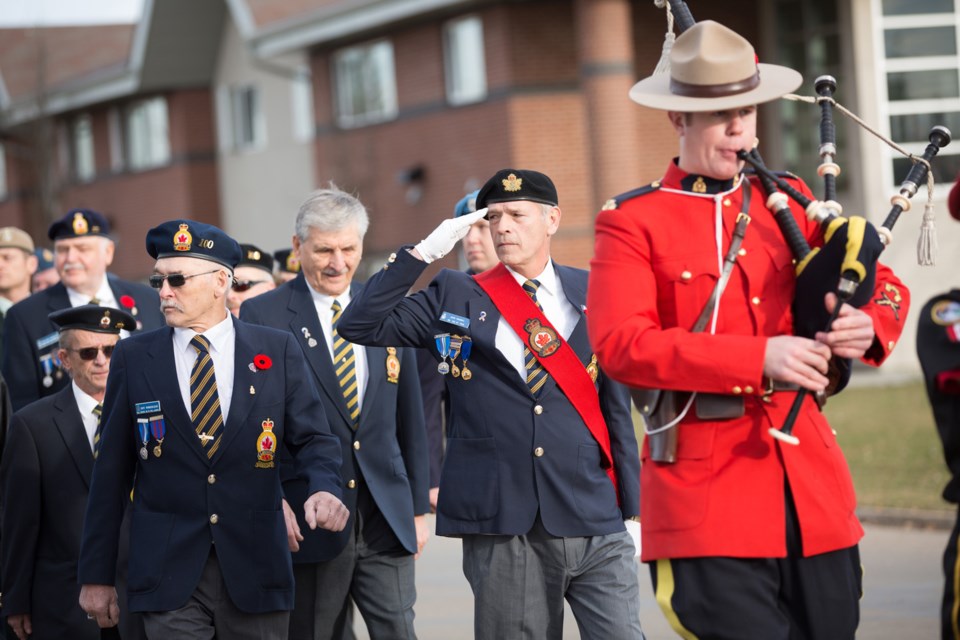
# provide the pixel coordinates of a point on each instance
(902, 587)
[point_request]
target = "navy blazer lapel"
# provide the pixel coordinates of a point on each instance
(58, 298)
(70, 425)
(376, 376)
(243, 380)
(304, 316)
(484, 320)
(163, 383)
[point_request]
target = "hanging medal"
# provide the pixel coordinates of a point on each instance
(159, 429)
(57, 365)
(143, 426)
(443, 347)
(455, 342)
(465, 348)
(46, 362)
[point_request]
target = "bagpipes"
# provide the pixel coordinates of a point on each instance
(846, 262)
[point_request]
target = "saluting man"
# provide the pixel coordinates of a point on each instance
(46, 469)
(83, 251)
(372, 399)
(195, 416)
(542, 464)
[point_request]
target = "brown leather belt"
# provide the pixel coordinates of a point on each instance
(715, 406)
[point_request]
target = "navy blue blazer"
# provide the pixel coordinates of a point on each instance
(183, 501)
(28, 336)
(388, 448)
(46, 477)
(493, 480)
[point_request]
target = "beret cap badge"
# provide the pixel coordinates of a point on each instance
(182, 239)
(105, 320)
(80, 226)
(512, 183)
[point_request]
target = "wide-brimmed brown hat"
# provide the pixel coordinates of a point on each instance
(713, 68)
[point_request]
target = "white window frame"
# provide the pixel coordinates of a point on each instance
(147, 134)
(4, 186)
(115, 132)
(248, 131)
(301, 105)
(365, 73)
(888, 108)
(464, 61)
(84, 155)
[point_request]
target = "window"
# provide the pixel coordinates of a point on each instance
(115, 132)
(465, 67)
(84, 166)
(249, 129)
(301, 103)
(3, 172)
(366, 86)
(146, 134)
(921, 76)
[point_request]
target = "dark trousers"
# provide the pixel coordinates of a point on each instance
(949, 624)
(792, 598)
(210, 613)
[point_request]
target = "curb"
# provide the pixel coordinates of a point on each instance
(935, 519)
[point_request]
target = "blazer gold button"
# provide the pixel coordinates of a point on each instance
(686, 275)
(726, 202)
(214, 518)
(890, 345)
(211, 479)
(352, 484)
(755, 300)
(538, 452)
(538, 409)
(356, 445)
(748, 389)
(736, 391)
(742, 252)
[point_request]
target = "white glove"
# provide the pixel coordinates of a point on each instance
(445, 237)
(633, 528)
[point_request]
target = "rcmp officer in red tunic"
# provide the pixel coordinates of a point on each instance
(542, 465)
(938, 347)
(746, 537)
(195, 415)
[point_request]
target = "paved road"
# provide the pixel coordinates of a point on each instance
(901, 590)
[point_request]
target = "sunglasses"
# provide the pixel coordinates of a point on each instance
(245, 285)
(175, 279)
(90, 353)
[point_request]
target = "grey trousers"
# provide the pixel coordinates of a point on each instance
(209, 613)
(520, 582)
(381, 583)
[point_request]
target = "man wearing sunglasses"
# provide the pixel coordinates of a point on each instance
(195, 417)
(46, 471)
(253, 276)
(83, 251)
(372, 399)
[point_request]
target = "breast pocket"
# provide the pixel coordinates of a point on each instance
(683, 287)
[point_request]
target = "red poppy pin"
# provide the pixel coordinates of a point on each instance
(127, 302)
(262, 362)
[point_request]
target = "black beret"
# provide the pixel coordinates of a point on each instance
(252, 256)
(287, 260)
(508, 185)
(90, 317)
(79, 223)
(191, 239)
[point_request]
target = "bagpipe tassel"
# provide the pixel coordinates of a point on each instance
(663, 66)
(927, 244)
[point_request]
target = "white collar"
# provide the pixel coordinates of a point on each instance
(547, 278)
(217, 335)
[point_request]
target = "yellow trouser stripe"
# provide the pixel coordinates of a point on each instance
(664, 595)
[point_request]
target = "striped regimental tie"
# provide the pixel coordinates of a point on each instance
(204, 398)
(97, 411)
(345, 363)
(536, 375)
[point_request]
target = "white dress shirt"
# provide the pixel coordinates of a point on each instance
(223, 345)
(557, 309)
(86, 404)
(324, 306)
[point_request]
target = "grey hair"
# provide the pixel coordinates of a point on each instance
(328, 210)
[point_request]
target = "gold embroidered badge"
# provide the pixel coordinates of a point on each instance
(512, 183)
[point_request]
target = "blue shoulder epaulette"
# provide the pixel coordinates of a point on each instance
(616, 201)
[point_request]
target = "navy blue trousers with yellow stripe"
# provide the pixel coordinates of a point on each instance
(792, 598)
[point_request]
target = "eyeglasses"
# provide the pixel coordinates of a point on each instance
(175, 279)
(245, 285)
(90, 353)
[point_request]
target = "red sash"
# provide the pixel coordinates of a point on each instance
(561, 363)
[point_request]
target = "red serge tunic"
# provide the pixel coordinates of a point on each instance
(656, 262)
